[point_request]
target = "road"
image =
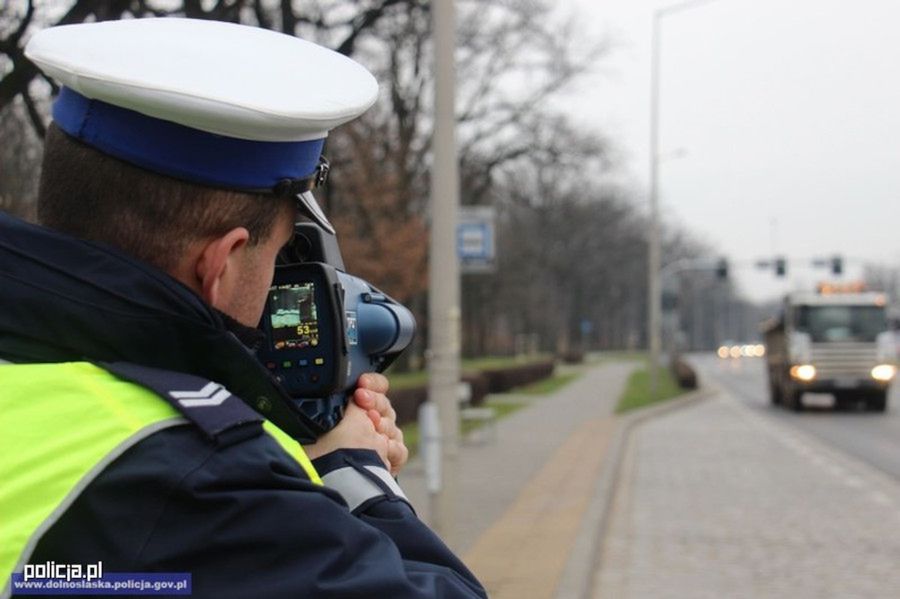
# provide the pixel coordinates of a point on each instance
(870, 437)
(726, 497)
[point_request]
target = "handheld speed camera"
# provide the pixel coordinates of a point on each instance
(323, 327)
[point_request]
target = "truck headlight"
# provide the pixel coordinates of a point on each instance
(884, 372)
(803, 372)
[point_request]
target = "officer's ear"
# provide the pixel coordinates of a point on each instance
(217, 268)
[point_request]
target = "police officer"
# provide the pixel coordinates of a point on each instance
(137, 428)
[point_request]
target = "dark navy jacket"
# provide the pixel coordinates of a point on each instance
(236, 512)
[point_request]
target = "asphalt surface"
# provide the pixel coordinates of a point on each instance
(873, 438)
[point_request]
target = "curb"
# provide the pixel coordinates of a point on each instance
(587, 551)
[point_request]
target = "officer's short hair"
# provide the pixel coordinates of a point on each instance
(152, 217)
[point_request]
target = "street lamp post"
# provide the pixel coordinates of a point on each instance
(654, 250)
(654, 286)
(443, 297)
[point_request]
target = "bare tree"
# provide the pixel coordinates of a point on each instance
(571, 248)
(20, 154)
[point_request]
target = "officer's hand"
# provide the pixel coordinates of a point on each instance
(355, 431)
(370, 396)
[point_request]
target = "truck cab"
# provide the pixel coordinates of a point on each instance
(833, 342)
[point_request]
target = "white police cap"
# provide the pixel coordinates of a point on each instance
(210, 102)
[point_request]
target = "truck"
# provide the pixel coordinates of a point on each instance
(831, 342)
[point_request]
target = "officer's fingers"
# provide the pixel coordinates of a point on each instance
(391, 412)
(360, 421)
(388, 428)
(384, 451)
(355, 430)
(370, 400)
(376, 401)
(373, 381)
(370, 438)
(358, 430)
(375, 417)
(398, 454)
(384, 407)
(364, 399)
(395, 432)
(367, 434)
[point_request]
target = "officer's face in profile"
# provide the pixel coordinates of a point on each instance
(255, 267)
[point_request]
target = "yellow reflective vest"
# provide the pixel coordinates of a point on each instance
(61, 425)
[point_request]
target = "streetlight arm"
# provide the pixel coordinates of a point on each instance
(677, 267)
(684, 265)
(672, 9)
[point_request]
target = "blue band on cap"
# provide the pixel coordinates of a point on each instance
(183, 152)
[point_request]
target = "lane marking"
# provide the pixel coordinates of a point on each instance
(877, 486)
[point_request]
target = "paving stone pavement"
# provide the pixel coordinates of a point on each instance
(717, 501)
(524, 496)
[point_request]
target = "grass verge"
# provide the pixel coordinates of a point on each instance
(491, 362)
(548, 385)
(406, 380)
(620, 355)
(637, 391)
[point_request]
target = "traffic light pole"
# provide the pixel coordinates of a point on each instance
(683, 265)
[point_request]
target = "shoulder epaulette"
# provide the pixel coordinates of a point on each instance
(222, 416)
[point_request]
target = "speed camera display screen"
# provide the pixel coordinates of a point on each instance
(293, 316)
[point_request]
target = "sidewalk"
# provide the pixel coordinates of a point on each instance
(714, 500)
(523, 498)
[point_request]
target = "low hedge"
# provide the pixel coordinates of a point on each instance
(573, 356)
(684, 373)
(501, 380)
(479, 385)
(406, 402)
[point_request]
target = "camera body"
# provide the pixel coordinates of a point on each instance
(324, 328)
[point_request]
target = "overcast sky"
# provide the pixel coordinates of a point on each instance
(789, 115)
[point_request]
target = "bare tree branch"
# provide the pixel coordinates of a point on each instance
(263, 18)
(37, 120)
(23, 26)
(17, 80)
(288, 18)
(364, 22)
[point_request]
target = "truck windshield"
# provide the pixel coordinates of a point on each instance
(842, 323)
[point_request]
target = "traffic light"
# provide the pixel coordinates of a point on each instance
(780, 267)
(722, 269)
(837, 265)
(669, 300)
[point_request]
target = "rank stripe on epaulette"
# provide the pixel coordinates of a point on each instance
(213, 394)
